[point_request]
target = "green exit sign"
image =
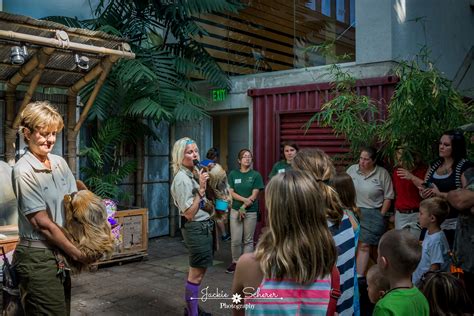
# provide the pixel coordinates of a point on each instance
(218, 95)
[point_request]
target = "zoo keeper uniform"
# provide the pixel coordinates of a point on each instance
(280, 167)
(197, 233)
(243, 183)
(37, 188)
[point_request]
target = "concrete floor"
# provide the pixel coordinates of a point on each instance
(150, 287)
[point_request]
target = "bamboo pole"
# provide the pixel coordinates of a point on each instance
(139, 173)
(27, 68)
(71, 136)
(107, 66)
(42, 61)
(12, 122)
(53, 42)
(91, 75)
(10, 133)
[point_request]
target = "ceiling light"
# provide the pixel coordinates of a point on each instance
(82, 62)
(18, 55)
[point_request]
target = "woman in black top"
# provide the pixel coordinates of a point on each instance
(445, 175)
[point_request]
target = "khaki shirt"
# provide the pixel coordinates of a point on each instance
(39, 189)
(182, 192)
(371, 189)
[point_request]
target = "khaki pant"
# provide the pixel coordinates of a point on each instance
(408, 222)
(42, 291)
(241, 232)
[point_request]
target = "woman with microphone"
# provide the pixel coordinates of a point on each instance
(188, 190)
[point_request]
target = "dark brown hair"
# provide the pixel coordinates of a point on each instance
(344, 186)
(402, 250)
(446, 294)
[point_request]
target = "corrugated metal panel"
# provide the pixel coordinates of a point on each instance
(275, 108)
(277, 112)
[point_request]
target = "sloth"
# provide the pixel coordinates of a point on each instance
(218, 187)
(86, 226)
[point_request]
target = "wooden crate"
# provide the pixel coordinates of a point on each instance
(133, 241)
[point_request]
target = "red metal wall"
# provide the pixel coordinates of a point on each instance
(273, 105)
(277, 110)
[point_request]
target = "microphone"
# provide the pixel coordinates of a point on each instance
(202, 164)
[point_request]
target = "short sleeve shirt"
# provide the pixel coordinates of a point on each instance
(40, 189)
(243, 184)
(182, 192)
(435, 250)
(371, 189)
(280, 167)
(403, 302)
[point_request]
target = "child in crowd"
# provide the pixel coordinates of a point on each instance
(377, 284)
(319, 165)
(446, 294)
(344, 187)
(291, 270)
(398, 255)
(435, 253)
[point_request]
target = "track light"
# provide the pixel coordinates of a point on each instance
(18, 55)
(82, 62)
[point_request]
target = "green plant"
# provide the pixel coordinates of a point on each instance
(158, 85)
(423, 106)
(349, 114)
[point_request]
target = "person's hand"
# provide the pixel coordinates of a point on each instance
(203, 177)
(248, 202)
(426, 192)
(85, 259)
(435, 190)
(242, 212)
(404, 174)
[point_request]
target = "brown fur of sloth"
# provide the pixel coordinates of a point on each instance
(86, 226)
(218, 187)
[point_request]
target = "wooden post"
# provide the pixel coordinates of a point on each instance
(139, 173)
(103, 75)
(42, 61)
(10, 127)
(71, 154)
(73, 127)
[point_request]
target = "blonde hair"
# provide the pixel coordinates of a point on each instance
(378, 279)
(177, 154)
(297, 243)
(40, 114)
(436, 206)
(320, 165)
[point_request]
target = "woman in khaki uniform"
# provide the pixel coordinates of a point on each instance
(40, 181)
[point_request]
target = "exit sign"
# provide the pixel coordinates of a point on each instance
(218, 95)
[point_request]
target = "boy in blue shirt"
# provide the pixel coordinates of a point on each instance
(435, 252)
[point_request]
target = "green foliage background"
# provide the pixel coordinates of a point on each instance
(158, 85)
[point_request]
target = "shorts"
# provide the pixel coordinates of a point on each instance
(198, 239)
(372, 226)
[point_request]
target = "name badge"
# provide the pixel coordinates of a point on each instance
(237, 181)
(281, 170)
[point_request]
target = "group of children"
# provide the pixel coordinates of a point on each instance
(412, 280)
